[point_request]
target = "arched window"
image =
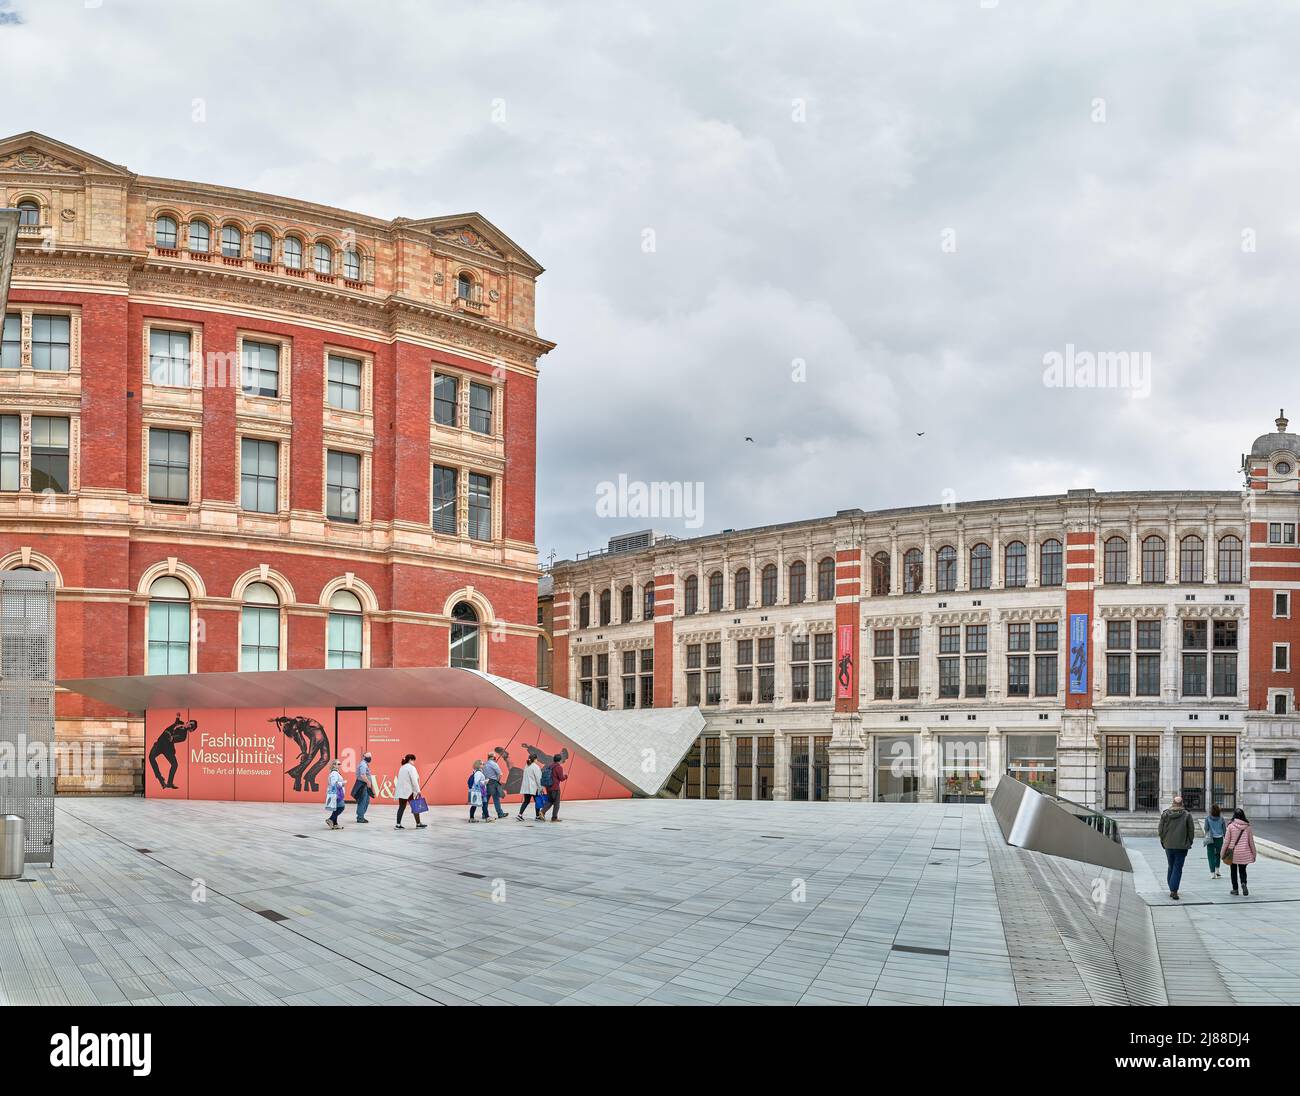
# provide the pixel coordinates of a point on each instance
(464, 286)
(945, 576)
(606, 607)
(324, 259)
(625, 605)
(767, 587)
(1116, 560)
(826, 580)
(691, 595)
(913, 571)
(715, 592)
(29, 213)
(168, 641)
(464, 637)
(200, 236)
(232, 242)
(1051, 571)
(164, 232)
(981, 567)
(352, 265)
(584, 611)
(1191, 560)
(880, 574)
(292, 253)
(798, 582)
(648, 601)
(742, 589)
(1230, 559)
(263, 247)
(1016, 560)
(259, 628)
(343, 632)
(1153, 559)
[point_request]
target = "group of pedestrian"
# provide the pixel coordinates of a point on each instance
(540, 785)
(1231, 843)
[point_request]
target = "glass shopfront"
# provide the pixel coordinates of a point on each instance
(1031, 759)
(1209, 762)
(810, 772)
(754, 767)
(897, 769)
(963, 771)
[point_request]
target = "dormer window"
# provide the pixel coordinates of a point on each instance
(200, 236)
(292, 253)
(263, 247)
(1282, 468)
(465, 287)
(232, 242)
(29, 213)
(324, 259)
(164, 232)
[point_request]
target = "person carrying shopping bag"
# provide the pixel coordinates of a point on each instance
(407, 791)
(1239, 849)
(478, 792)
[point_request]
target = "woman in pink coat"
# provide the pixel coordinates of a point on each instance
(1239, 843)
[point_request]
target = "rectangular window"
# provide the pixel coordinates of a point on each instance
(259, 638)
(1223, 771)
(744, 685)
(949, 639)
(169, 465)
(343, 634)
(1148, 635)
(1281, 656)
(169, 638)
(343, 383)
(884, 679)
(1195, 633)
(1119, 635)
(1018, 673)
(909, 642)
(1192, 748)
(977, 676)
(480, 408)
(1117, 675)
(1225, 635)
(261, 368)
(50, 455)
(883, 638)
(259, 475)
(169, 358)
(909, 678)
(480, 506)
(10, 452)
(51, 343)
(343, 486)
(1117, 772)
(1045, 636)
(11, 348)
(799, 682)
(1148, 675)
(1225, 674)
(1017, 637)
(1281, 604)
(1279, 769)
(445, 518)
(446, 392)
(949, 677)
(1044, 675)
(823, 659)
(977, 639)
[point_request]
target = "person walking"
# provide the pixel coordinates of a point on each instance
(364, 788)
(335, 796)
(1239, 848)
(407, 787)
(530, 787)
(1177, 832)
(555, 771)
(492, 775)
(478, 792)
(1214, 827)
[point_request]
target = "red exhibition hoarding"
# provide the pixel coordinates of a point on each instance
(283, 755)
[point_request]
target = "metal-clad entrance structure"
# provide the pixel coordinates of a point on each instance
(27, 762)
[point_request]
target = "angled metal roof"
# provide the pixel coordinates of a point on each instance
(639, 747)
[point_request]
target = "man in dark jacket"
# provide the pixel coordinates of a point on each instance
(1177, 833)
(558, 777)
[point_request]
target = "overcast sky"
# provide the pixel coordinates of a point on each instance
(823, 226)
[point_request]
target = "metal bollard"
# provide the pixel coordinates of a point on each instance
(11, 846)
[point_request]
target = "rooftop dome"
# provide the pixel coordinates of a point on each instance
(1277, 442)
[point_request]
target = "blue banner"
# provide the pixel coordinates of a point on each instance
(1078, 652)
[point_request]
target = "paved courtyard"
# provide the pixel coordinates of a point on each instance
(625, 902)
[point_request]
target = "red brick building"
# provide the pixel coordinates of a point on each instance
(247, 431)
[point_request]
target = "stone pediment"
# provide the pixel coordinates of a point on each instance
(33, 152)
(467, 238)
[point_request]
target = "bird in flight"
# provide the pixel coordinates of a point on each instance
(749, 439)
(920, 433)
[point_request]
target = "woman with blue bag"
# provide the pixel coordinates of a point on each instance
(335, 796)
(407, 792)
(478, 792)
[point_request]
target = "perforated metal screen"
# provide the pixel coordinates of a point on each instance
(27, 762)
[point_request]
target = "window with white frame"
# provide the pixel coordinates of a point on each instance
(259, 628)
(260, 368)
(168, 622)
(343, 383)
(169, 358)
(342, 486)
(343, 632)
(259, 475)
(169, 465)
(446, 510)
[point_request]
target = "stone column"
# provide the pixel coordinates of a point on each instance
(780, 766)
(895, 578)
(1212, 549)
(847, 755)
(1031, 555)
(963, 564)
(997, 576)
(927, 563)
(727, 767)
(1172, 553)
(1134, 549)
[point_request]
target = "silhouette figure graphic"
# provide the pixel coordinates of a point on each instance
(313, 749)
(176, 732)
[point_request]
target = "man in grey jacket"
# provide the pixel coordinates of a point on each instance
(1177, 833)
(492, 773)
